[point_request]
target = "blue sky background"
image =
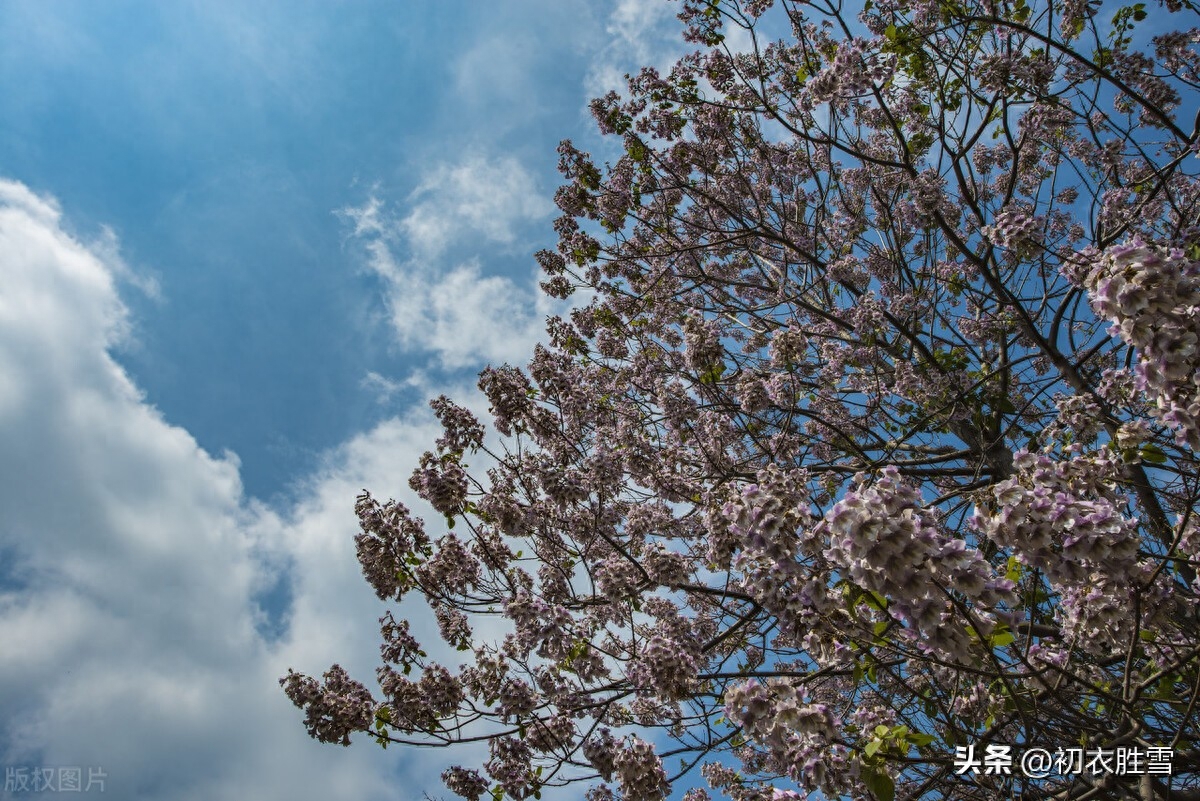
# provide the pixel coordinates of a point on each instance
(241, 244)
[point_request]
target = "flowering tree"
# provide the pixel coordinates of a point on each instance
(874, 444)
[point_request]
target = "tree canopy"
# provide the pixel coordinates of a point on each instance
(870, 450)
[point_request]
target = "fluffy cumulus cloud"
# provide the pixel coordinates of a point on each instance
(132, 567)
(440, 300)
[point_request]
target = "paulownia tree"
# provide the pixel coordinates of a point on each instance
(875, 439)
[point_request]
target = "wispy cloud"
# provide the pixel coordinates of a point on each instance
(383, 387)
(439, 297)
(640, 33)
(486, 197)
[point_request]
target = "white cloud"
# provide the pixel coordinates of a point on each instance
(642, 33)
(132, 562)
(635, 22)
(497, 73)
(486, 197)
(383, 387)
(108, 249)
(439, 301)
(465, 318)
(647, 33)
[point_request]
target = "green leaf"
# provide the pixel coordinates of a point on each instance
(1165, 691)
(383, 716)
(1152, 453)
(873, 747)
(1013, 571)
(1001, 639)
(919, 739)
(876, 601)
(881, 785)
(713, 374)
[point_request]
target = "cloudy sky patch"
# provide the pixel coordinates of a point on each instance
(240, 248)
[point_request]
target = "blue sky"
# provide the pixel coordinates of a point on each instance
(241, 244)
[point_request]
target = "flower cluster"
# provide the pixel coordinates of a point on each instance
(772, 712)
(461, 431)
(640, 772)
(855, 69)
(341, 706)
(442, 482)
(539, 625)
(766, 516)
(617, 577)
(1078, 414)
(1015, 229)
(798, 734)
(511, 766)
(704, 349)
(752, 393)
(788, 347)
(665, 667)
(454, 626)
(516, 699)
(1002, 72)
(442, 692)
(389, 536)
(408, 707)
(664, 567)
(451, 570)
(1152, 296)
(555, 734)
(508, 391)
(464, 783)
(600, 750)
(1064, 519)
(399, 647)
(888, 543)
